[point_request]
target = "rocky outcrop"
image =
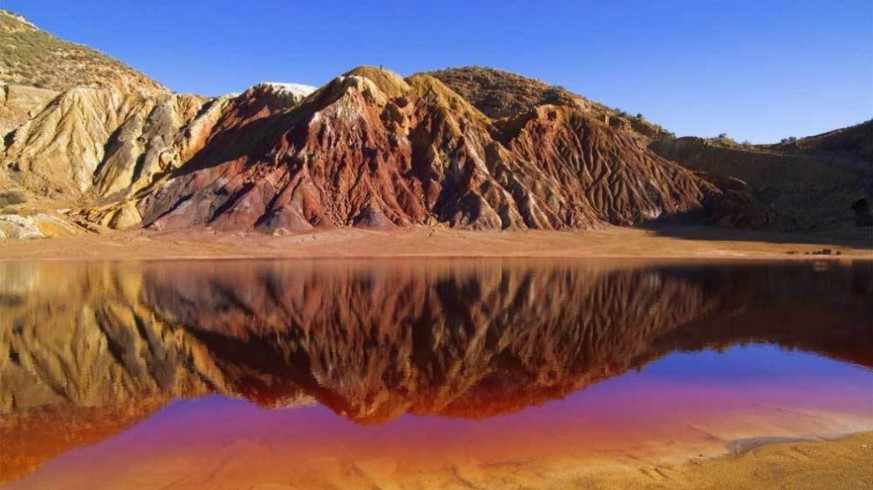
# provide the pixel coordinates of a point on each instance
(739, 206)
(372, 149)
(368, 149)
(469, 147)
(99, 142)
(17, 227)
(93, 149)
(18, 103)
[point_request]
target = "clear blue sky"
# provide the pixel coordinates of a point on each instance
(755, 69)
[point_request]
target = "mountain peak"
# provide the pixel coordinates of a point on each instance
(499, 94)
(297, 90)
(390, 83)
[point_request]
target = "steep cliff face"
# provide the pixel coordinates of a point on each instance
(372, 149)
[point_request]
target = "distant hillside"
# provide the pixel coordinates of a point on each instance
(853, 142)
(813, 183)
(30, 56)
(501, 94)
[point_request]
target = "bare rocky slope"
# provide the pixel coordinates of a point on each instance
(469, 147)
(373, 149)
(90, 147)
(804, 184)
(368, 149)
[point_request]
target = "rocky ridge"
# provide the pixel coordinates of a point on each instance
(501, 94)
(468, 147)
(368, 149)
(805, 184)
(373, 149)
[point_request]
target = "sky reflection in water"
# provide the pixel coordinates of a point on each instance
(316, 375)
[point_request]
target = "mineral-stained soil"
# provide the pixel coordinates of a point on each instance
(88, 144)
(680, 242)
(371, 149)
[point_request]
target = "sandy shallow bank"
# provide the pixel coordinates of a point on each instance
(677, 242)
(839, 464)
(845, 463)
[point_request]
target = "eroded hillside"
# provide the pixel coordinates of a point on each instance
(372, 149)
(501, 94)
(469, 147)
(808, 184)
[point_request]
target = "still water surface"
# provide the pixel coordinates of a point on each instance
(463, 373)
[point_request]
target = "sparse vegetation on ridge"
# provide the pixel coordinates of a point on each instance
(30, 56)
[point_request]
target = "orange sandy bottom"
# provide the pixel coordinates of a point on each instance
(661, 417)
(669, 242)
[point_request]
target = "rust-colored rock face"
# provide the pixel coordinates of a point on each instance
(371, 149)
(467, 147)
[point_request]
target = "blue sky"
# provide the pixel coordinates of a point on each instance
(757, 70)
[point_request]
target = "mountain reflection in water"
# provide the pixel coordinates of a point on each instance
(88, 349)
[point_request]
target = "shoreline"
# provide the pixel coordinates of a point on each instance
(840, 462)
(677, 243)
